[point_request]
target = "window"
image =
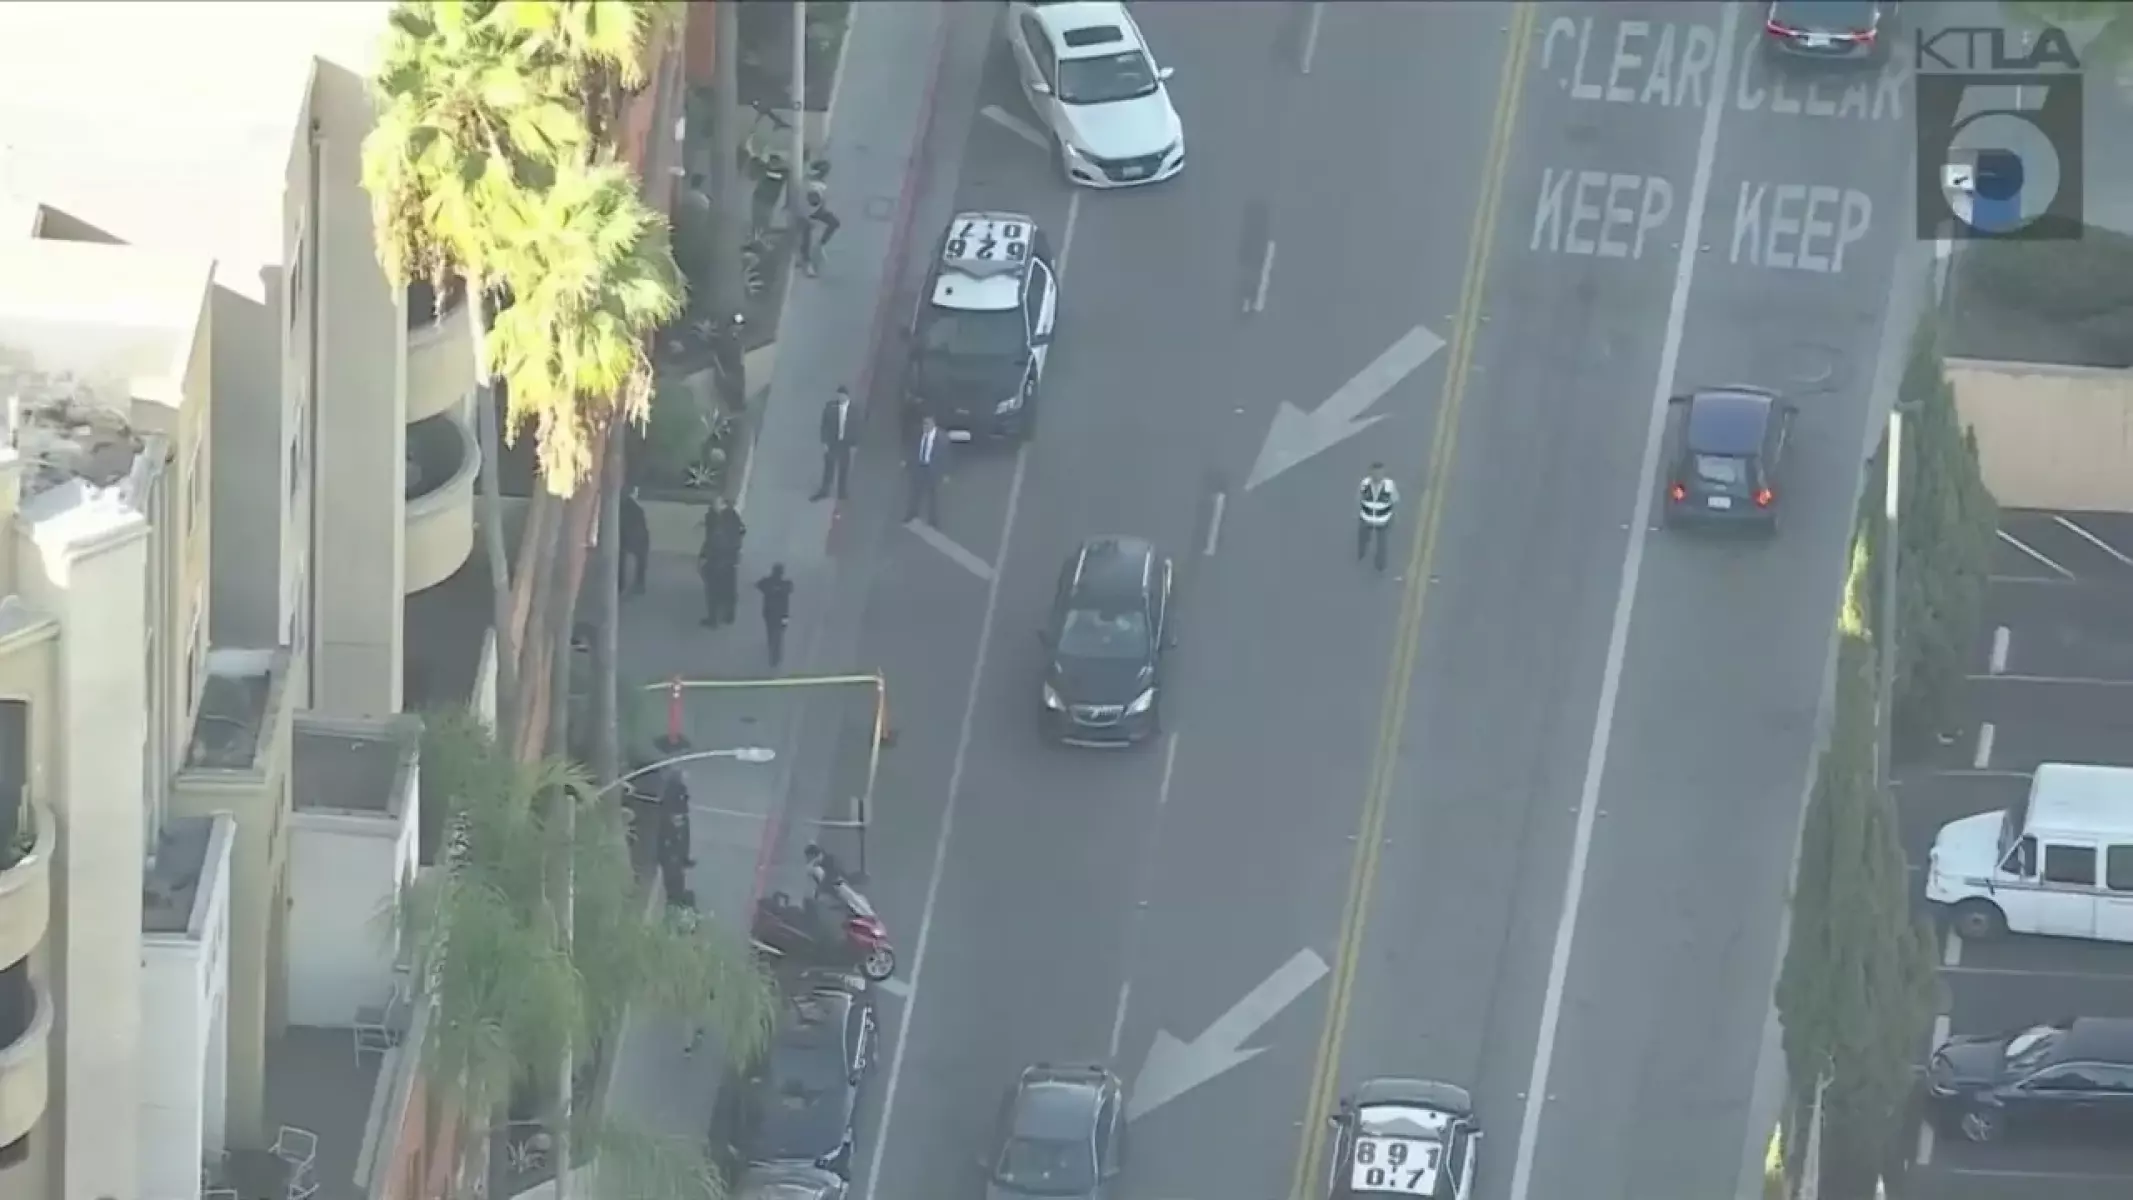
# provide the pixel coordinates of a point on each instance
(2070, 864)
(2022, 860)
(1094, 633)
(196, 489)
(295, 290)
(298, 429)
(190, 681)
(2118, 869)
(1040, 47)
(1108, 79)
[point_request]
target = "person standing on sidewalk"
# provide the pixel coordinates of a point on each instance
(1376, 498)
(769, 190)
(720, 562)
(838, 432)
(636, 547)
(777, 610)
(924, 468)
(818, 213)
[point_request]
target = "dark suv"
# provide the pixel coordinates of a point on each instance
(1061, 1134)
(2073, 1076)
(1728, 453)
(1106, 637)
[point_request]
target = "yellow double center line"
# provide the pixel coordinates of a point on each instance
(1362, 875)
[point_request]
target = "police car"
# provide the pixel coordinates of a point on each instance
(984, 327)
(1404, 1138)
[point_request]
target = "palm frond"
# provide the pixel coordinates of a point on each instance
(631, 1161)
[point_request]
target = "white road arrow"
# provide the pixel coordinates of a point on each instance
(1297, 435)
(1175, 1068)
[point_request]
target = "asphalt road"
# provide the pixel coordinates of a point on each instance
(1194, 868)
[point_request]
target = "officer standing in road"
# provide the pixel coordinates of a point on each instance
(838, 433)
(636, 547)
(777, 610)
(720, 562)
(927, 462)
(672, 845)
(1378, 497)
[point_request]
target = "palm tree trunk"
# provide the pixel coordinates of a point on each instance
(532, 602)
(606, 569)
(563, 610)
(492, 513)
(562, 603)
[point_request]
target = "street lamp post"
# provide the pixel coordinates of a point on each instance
(746, 754)
(1886, 635)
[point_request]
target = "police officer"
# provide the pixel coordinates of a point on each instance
(839, 431)
(777, 610)
(1377, 497)
(636, 547)
(719, 562)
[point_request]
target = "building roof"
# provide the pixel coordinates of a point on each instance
(169, 124)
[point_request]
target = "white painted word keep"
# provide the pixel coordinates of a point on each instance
(1599, 214)
(1662, 63)
(1798, 226)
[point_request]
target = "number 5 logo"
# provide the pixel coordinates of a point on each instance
(2002, 170)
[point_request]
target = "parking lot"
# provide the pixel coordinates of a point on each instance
(2054, 683)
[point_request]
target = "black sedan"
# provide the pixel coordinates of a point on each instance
(806, 1095)
(1061, 1134)
(1728, 457)
(1108, 631)
(2074, 1076)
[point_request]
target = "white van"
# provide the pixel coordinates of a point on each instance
(2060, 863)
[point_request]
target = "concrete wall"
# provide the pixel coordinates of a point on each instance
(184, 999)
(345, 875)
(362, 412)
(2050, 436)
(88, 568)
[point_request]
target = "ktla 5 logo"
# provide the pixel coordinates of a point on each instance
(1999, 134)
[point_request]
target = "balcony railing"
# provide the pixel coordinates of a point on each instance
(440, 352)
(26, 889)
(442, 463)
(23, 1060)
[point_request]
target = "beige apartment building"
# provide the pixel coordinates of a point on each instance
(235, 460)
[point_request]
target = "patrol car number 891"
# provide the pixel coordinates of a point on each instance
(993, 240)
(1390, 1164)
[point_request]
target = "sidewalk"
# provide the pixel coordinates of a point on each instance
(829, 334)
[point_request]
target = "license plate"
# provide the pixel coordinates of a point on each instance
(1816, 41)
(1720, 502)
(959, 435)
(1132, 172)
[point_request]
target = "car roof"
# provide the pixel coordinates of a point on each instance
(2099, 1039)
(970, 284)
(1060, 20)
(1729, 420)
(1057, 1105)
(1113, 565)
(1427, 1093)
(2080, 798)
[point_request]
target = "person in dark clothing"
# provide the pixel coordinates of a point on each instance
(924, 468)
(818, 214)
(636, 545)
(674, 812)
(673, 854)
(838, 432)
(729, 360)
(769, 190)
(719, 562)
(777, 610)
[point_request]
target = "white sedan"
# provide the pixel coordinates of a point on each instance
(1097, 91)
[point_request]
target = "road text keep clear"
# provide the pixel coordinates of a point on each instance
(1667, 64)
(1784, 226)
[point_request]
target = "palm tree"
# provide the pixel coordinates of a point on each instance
(508, 984)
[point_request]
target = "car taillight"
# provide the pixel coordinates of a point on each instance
(1864, 37)
(1677, 493)
(1778, 29)
(1764, 497)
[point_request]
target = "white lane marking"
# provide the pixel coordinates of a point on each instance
(895, 987)
(1958, 774)
(1924, 1156)
(1214, 525)
(1170, 769)
(1951, 951)
(1983, 758)
(1016, 125)
(951, 548)
(2076, 528)
(2026, 580)
(939, 870)
(2056, 680)
(2043, 1176)
(1625, 599)
(1118, 1018)
(2002, 642)
(1310, 47)
(2032, 551)
(1266, 279)
(2113, 977)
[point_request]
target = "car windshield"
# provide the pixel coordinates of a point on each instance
(1828, 15)
(1046, 1167)
(953, 333)
(1721, 469)
(2032, 1048)
(1090, 633)
(1106, 79)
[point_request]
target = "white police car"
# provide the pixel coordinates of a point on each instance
(1404, 1138)
(984, 327)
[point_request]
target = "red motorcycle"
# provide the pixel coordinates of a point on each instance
(837, 927)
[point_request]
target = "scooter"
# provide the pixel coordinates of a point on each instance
(863, 926)
(805, 932)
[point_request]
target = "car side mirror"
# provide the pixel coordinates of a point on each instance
(1041, 88)
(1042, 339)
(1163, 73)
(1681, 399)
(1111, 1169)
(1789, 408)
(1333, 1120)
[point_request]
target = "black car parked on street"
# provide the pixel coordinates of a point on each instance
(804, 1099)
(2071, 1076)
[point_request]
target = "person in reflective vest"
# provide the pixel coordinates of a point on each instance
(1379, 495)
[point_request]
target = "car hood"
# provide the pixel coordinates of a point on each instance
(951, 377)
(1969, 1062)
(1970, 846)
(1125, 129)
(995, 1190)
(1100, 680)
(802, 1132)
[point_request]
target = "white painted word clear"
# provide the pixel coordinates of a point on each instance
(1667, 64)
(1599, 214)
(1797, 226)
